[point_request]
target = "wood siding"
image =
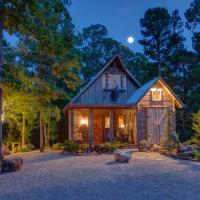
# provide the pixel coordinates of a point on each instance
(144, 112)
(95, 94)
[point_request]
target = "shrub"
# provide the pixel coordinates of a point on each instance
(24, 149)
(196, 127)
(169, 141)
(197, 155)
(108, 147)
(112, 146)
(84, 147)
(71, 146)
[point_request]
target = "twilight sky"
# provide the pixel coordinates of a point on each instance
(122, 17)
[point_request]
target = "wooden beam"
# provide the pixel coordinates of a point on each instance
(91, 118)
(71, 124)
(111, 130)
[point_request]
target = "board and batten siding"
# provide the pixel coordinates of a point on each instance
(146, 102)
(95, 94)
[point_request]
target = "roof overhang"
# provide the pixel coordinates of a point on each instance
(98, 106)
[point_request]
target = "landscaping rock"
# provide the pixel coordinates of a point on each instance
(12, 165)
(156, 148)
(184, 147)
(186, 153)
(123, 155)
(145, 146)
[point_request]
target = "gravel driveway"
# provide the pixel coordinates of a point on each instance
(147, 176)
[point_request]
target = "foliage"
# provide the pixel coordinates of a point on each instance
(196, 127)
(96, 49)
(196, 155)
(169, 139)
(71, 146)
(84, 147)
(192, 15)
(162, 35)
(112, 146)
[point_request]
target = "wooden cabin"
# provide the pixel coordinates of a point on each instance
(114, 105)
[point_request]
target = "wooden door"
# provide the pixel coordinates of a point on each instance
(97, 130)
(155, 124)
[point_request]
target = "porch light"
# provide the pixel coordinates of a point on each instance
(84, 121)
(121, 122)
(156, 89)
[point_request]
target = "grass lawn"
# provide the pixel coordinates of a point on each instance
(147, 176)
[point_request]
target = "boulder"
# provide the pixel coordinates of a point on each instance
(123, 155)
(12, 165)
(145, 146)
(184, 148)
(156, 148)
(186, 153)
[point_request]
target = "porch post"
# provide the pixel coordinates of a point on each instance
(71, 124)
(111, 125)
(91, 117)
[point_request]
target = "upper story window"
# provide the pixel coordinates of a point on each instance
(112, 81)
(156, 94)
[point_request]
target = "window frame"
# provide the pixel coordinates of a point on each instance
(156, 90)
(106, 82)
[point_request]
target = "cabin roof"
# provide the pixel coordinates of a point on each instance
(98, 74)
(139, 94)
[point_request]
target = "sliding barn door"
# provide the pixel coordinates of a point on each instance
(155, 124)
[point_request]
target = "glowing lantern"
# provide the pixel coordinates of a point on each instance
(84, 121)
(121, 121)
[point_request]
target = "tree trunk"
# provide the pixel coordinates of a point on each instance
(1, 67)
(45, 135)
(23, 130)
(41, 134)
(48, 134)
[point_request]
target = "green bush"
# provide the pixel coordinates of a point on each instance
(169, 141)
(197, 155)
(84, 147)
(108, 147)
(196, 127)
(24, 149)
(70, 146)
(119, 144)
(112, 146)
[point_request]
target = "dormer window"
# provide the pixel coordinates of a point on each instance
(156, 94)
(112, 81)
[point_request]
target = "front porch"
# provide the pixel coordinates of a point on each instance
(99, 125)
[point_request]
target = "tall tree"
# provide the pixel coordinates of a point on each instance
(193, 23)
(96, 48)
(162, 35)
(12, 14)
(50, 55)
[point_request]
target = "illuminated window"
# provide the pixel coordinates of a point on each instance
(107, 122)
(121, 121)
(156, 94)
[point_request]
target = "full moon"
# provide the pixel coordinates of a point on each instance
(130, 40)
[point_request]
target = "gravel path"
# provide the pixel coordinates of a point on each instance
(148, 176)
